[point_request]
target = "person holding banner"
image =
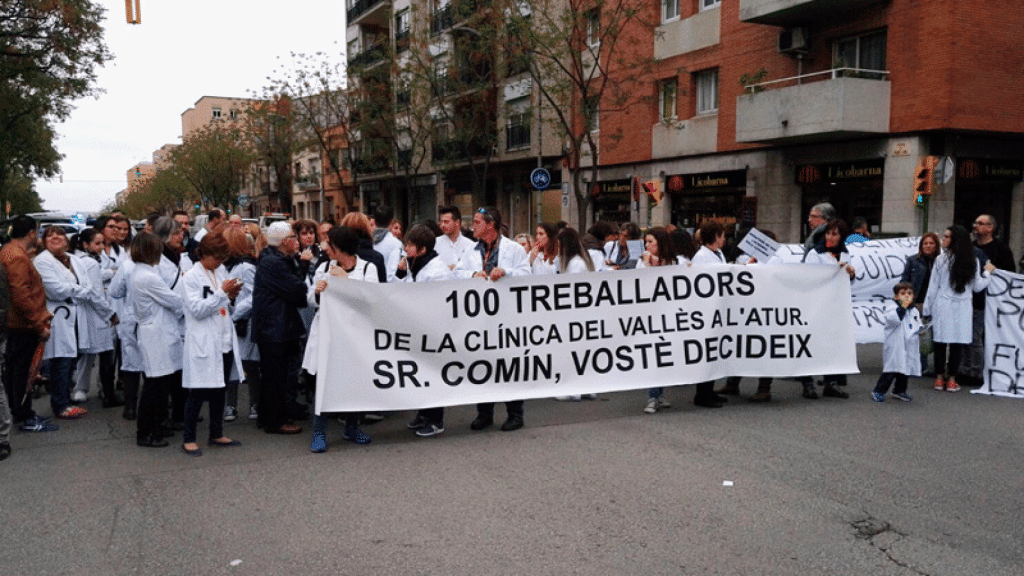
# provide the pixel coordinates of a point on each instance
(830, 251)
(493, 258)
(573, 258)
(658, 251)
(955, 276)
(712, 239)
(423, 264)
(545, 250)
(344, 264)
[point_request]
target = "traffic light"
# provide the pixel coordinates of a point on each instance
(924, 180)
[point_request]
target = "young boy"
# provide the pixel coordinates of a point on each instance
(900, 354)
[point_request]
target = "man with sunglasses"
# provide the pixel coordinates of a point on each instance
(493, 258)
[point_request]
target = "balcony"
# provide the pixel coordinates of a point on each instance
(796, 12)
(831, 105)
(370, 12)
(517, 136)
(308, 182)
(447, 151)
(372, 55)
(451, 14)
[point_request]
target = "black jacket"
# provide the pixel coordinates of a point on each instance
(277, 294)
(366, 252)
(917, 271)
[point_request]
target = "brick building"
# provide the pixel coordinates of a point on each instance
(757, 109)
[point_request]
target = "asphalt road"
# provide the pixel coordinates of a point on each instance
(597, 487)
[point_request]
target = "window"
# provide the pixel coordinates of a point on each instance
(353, 48)
(865, 52)
(707, 92)
(233, 114)
(518, 130)
(669, 10)
(593, 27)
(216, 111)
(402, 29)
(708, 4)
(667, 99)
(592, 114)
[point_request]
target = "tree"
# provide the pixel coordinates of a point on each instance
(212, 161)
(275, 136)
(49, 52)
(20, 192)
(582, 58)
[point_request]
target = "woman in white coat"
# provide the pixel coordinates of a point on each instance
(342, 244)
(955, 275)
(573, 258)
(422, 263)
(211, 346)
(545, 250)
(158, 311)
(130, 371)
(241, 264)
(174, 263)
(100, 320)
(658, 251)
(67, 290)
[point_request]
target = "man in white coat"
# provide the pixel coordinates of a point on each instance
(493, 258)
(385, 242)
(451, 245)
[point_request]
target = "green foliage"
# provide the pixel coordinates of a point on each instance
(18, 189)
(211, 163)
(49, 52)
(752, 78)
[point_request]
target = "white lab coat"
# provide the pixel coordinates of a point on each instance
(97, 311)
(66, 293)
(209, 332)
(362, 272)
(246, 272)
(391, 249)
(451, 253)
(435, 271)
(158, 311)
(512, 258)
(708, 256)
(542, 267)
(598, 258)
(575, 266)
(131, 354)
(901, 344)
(951, 312)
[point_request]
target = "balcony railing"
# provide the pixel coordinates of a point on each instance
(454, 12)
(517, 136)
(368, 57)
(308, 182)
(817, 77)
(362, 7)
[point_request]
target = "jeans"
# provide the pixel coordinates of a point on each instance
(62, 372)
(655, 392)
(5, 411)
(887, 378)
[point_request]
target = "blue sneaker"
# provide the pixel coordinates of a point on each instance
(902, 396)
(319, 443)
(38, 424)
(356, 436)
(878, 397)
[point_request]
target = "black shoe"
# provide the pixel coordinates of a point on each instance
(151, 442)
(481, 422)
(115, 403)
(129, 413)
(708, 402)
(721, 399)
(417, 423)
(165, 432)
(809, 392)
(5, 451)
(831, 391)
(174, 426)
(512, 423)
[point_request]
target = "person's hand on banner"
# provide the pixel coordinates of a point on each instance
(497, 274)
(321, 285)
(849, 269)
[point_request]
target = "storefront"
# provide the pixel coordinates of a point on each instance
(985, 186)
(853, 188)
(717, 195)
(612, 201)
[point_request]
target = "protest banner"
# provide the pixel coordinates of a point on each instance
(879, 265)
(1004, 336)
(410, 346)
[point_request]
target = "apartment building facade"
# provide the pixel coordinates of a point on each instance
(430, 166)
(757, 109)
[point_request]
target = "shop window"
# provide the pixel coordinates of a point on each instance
(707, 91)
(667, 90)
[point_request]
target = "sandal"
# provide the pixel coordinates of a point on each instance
(197, 451)
(72, 413)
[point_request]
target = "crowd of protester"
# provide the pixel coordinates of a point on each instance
(167, 322)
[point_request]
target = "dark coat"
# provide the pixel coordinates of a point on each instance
(277, 294)
(917, 271)
(366, 252)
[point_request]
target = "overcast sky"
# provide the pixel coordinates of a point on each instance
(183, 50)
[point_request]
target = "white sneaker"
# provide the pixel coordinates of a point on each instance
(652, 406)
(252, 412)
(78, 396)
(662, 403)
(568, 398)
(230, 413)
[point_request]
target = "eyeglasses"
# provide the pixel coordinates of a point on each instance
(982, 223)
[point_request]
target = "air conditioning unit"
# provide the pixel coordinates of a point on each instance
(793, 40)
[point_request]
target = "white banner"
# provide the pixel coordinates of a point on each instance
(879, 265)
(410, 346)
(1004, 336)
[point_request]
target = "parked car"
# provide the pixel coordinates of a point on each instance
(270, 217)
